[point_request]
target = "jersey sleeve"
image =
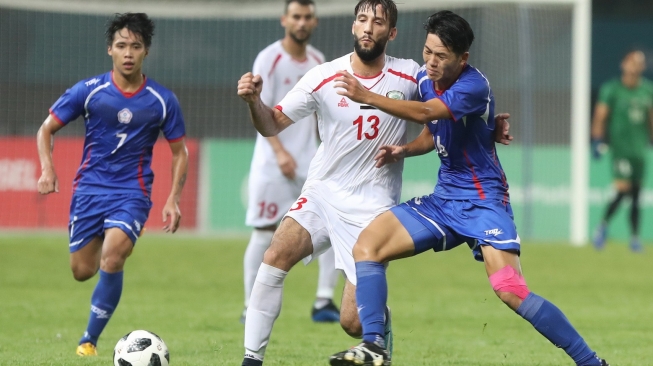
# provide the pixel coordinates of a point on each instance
(174, 127)
(606, 94)
(468, 96)
(300, 101)
(262, 67)
(70, 105)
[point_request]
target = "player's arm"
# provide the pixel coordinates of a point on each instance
(422, 144)
(601, 113)
(267, 121)
(286, 162)
(420, 112)
(179, 170)
(48, 181)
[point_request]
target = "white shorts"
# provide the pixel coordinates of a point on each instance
(269, 200)
(333, 222)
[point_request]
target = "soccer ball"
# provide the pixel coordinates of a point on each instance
(141, 348)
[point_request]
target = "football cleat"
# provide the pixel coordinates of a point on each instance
(365, 354)
(326, 314)
(387, 334)
(604, 363)
(86, 349)
(247, 361)
(600, 235)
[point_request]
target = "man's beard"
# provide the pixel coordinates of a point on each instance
(300, 40)
(370, 54)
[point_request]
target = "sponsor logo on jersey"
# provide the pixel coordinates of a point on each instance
(92, 82)
(494, 232)
(395, 94)
(125, 116)
(343, 103)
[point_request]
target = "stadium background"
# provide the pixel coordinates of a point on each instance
(525, 49)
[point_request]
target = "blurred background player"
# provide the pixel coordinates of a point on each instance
(470, 202)
(280, 163)
(624, 114)
(123, 113)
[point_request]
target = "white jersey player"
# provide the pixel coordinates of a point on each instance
(280, 164)
(344, 191)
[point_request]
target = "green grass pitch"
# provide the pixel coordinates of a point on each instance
(189, 291)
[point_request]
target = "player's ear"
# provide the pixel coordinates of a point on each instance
(393, 34)
(283, 20)
(109, 50)
(464, 57)
(352, 28)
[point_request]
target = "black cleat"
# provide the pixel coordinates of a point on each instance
(251, 362)
(604, 363)
(365, 354)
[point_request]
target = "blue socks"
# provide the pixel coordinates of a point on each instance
(103, 302)
(371, 298)
(552, 324)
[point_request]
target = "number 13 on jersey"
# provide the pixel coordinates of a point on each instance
(373, 121)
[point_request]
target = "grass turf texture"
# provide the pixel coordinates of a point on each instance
(189, 291)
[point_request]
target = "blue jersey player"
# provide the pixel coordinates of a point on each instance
(470, 203)
(123, 113)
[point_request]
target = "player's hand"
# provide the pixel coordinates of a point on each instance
(48, 182)
(249, 87)
(502, 129)
(350, 87)
(598, 148)
(287, 164)
(171, 216)
(389, 154)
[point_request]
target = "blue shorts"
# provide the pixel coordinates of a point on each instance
(91, 215)
(442, 224)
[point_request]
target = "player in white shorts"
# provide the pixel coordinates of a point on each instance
(344, 190)
(280, 163)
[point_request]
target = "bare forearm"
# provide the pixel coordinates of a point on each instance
(179, 172)
(263, 119)
(45, 145)
(276, 144)
(423, 144)
(420, 112)
(601, 112)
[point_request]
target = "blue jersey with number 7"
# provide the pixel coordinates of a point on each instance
(121, 130)
(470, 167)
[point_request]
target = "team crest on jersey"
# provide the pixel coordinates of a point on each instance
(343, 103)
(395, 94)
(125, 116)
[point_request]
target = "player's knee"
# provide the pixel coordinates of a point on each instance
(509, 286)
(113, 263)
(367, 248)
(83, 272)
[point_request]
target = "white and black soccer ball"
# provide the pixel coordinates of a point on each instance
(141, 348)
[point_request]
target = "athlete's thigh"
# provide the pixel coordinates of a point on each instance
(270, 200)
(291, 242)
(87, 214)
(117, 244)
(485, 223)
(383, 240)
(623, 173)
(424, 220)
(129, 214)
(496, 259)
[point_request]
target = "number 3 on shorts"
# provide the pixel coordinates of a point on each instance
(299, 204)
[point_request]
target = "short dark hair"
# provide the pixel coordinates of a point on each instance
(454, 31)
(389, 8)
(300, 2)
(137, 23)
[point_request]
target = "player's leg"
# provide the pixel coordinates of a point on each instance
(504, 272)
(324, 310)
(259, 242)
(291, 243)
(635, 189)
(124, 219)
(85, 262)
(622, 172)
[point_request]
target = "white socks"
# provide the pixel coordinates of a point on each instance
(259, 242)
(328, 276)
(264, 308)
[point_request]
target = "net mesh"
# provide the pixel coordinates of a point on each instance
(525, 51)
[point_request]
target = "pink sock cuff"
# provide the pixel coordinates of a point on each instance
(507, 279)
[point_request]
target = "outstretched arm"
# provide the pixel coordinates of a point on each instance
(48, 182)
(420, 112)
(267, 121)
(179, 169)
(393, 153)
